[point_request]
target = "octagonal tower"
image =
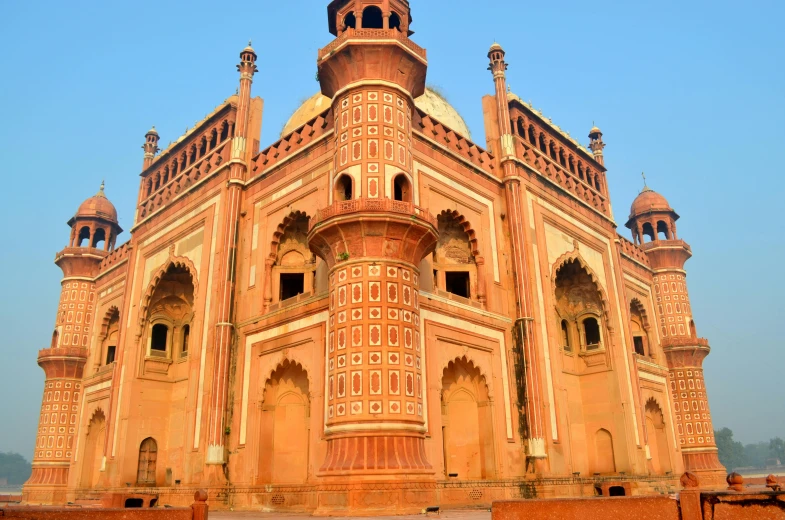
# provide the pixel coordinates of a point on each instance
(653, 225)
(372, 237)
(94, 230)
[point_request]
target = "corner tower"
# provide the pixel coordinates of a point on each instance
(94, 230)
(653, 225)
(372, 237)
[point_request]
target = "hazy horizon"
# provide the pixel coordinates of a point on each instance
(690, 94)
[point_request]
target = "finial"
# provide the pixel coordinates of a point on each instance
(249, 43)
(101, 190)
(645, 186)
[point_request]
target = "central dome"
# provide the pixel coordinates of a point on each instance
(432, 103)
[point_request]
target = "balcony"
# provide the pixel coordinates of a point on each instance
(347, 207)
(372, 34)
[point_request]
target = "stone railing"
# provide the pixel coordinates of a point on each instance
(82, 251)
(562, 176)
(184, 179)
(630, 250)
(446, 137)
(346, 207)
(116, 256)
(71, 352)
(666, 243)
(372, 34)
(669, 341)
(293, 142)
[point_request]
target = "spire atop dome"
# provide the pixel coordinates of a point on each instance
(101, 191)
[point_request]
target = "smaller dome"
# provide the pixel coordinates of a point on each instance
(97, 206)
(152, 131)
(594, 130)
(496, 47)
(649, 200)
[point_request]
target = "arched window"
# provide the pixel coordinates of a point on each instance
(192, 155)
(402, 190)
(532, 136)
(344, 187)
(565, 336)
(159, 338)
(591, 331)
(84, 237)
(580, 172)
(175, 168)
(186, 337)
(224, 131)
(157, 181)
(350, 21)
(148, 456)
(663, 233)
(148, 187)
(638, 325)
(395, 21)
(166, 176)
(372, 18)
(213, 139)
(552, 151)
(562, 160)
(520, 128)
(543, 146)
(99, 238)
(202, 147)
(571, 164)
(693, 332)
(648, 231)
(55, 339)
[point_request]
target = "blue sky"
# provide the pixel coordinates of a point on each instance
(691, 92)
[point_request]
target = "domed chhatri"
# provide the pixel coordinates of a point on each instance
(97, 206)
(431, 102)
(647, 201)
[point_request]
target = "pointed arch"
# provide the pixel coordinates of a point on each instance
(281, 229)
(95, 432)
(110, 314)
(459, 219)
(469, 365)
(636, 304)
(280, 368)
(173, 261)
(575, 256)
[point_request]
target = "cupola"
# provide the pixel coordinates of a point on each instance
(95, 223)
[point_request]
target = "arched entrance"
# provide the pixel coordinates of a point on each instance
(467, 423)
(148, 459)
(93, 450)
(285, 426)
(658, 438)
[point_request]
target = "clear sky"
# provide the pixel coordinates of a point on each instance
(692, 92)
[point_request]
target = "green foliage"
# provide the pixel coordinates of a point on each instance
(342, 257)
(734, 455)
(731, 452)
(14, 467)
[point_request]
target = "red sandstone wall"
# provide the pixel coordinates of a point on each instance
(639, 508)
(59, 513)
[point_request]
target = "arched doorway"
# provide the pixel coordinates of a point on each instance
(93, 450)
(604, 459)
(467, 423)
(148, 458)
(285, 426)
(658, 438)
(402, 188)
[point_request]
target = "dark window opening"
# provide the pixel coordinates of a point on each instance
(99, 238)
(186, 337)
(55, 339)
(565, 336)
(202, 148)
(662, 230)
(350, 21)
(553, 151)
(598, 490)
(532, 136)
(402, 189)
(638, 342)
(343, 188)
(435, 279)
(224, 131)
(292, 284)
(693, 331)
(648, 231)
(213, 139)
(395, 21)
(133, 502)
(592, 331)
(372, 18)
(84, 237)
(457, 283)
(543, 148)
(153, 502)
(616, 491)
(110, 350)
(158, 338)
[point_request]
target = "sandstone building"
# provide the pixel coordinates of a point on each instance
(374, 312)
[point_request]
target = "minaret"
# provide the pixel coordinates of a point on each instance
(63, 361)
(150, 147)
(224, 329)
(653, 225)
(372, 239)
(596, 144)
(523, 330)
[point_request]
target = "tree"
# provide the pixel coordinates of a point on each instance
(777, 449)
(731, 452)
(14, 467)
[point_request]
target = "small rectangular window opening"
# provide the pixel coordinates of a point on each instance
(158, 340)
(457, 282)
(292, 284)
(110, 354)
(638, 341)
